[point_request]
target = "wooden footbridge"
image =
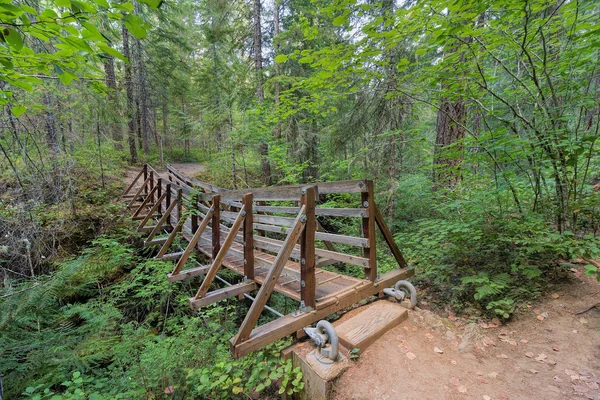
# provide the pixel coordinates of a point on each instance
(250, 232)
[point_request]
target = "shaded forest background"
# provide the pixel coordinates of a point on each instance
(478, 121)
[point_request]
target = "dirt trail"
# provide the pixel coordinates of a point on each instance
(552, 356)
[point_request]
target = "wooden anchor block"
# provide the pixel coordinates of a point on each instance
(361, 330)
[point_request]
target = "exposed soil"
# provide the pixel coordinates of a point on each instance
(548, 352)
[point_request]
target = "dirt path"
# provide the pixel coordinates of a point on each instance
(552, 356)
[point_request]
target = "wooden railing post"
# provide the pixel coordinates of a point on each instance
(248, 237)
(216, 226)
(159, 193)
(368, 227)
(308, 286)
(145, 177)
(168, 195)
(179, 207)
(152, 184)
(193, 215)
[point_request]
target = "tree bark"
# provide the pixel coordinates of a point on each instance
(263, 147)
(277, 66)
(111, 83)
(142, 96)
(130, 100)
(450, 130)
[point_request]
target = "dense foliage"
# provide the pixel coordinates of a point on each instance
(478, 121)
(108, 325)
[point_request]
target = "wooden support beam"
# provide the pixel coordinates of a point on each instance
(216, 221)
(281, 327)
(248, 235)
(222, 294)
(168, 195)
(308, 286)
(210, 275)
(368, 227)
(194, 216)
(145, 176)
(149, 215)
(192, 244)
(389, 239)
(151, 184)
(179, 207)
(271, 280)
(188, 273)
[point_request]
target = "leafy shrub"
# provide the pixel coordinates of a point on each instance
(491, 262)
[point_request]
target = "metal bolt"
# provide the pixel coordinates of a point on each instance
(302, 283)
(303, 191)
(243, 213)
(365, 204)
(362, 213)
(361, 184)
(303, 218)
(302, 304)
(245, 261)
(303, 261)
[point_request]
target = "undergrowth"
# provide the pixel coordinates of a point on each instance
(108, 325)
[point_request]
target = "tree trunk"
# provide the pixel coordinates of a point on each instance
(263, 147)
(142, 96)
(448, 152)
(277, 66)
(111, 83)
(130, 100)
(258, 52)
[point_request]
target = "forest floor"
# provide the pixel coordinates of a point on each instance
(547, 352)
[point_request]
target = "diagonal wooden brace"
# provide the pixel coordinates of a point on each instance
(269, 283)
(192, 244)
(150, 213)
(137, 194)
(210, 275)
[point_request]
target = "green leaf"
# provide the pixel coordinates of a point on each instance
(135, 25)
(281, 58)
(102, 3)
(67, 77)
(153, 3)
(17, 111)
(13, 38)
(63, 3)
(338, 21)
(591, 270)
(110, 51)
